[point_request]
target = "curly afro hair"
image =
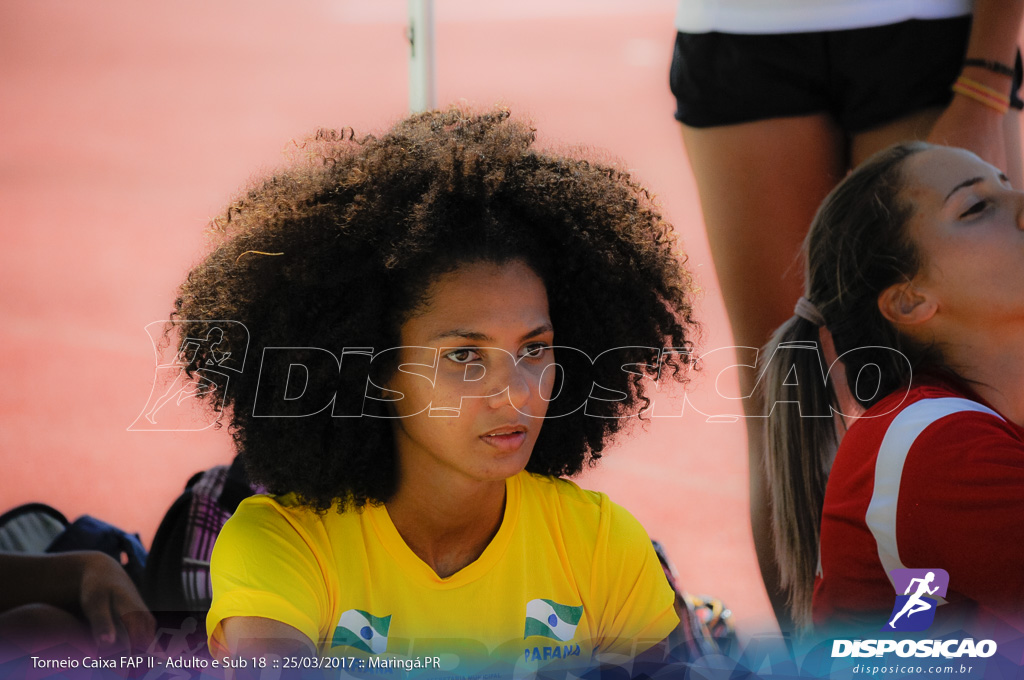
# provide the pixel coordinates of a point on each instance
(336, 252)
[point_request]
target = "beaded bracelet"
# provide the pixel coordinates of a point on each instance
(982, 94)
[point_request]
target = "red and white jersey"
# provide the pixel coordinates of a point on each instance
(929, 478)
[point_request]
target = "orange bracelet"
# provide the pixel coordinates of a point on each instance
(982, 94)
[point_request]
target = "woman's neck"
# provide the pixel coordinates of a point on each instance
(448, 527)
(995, 368)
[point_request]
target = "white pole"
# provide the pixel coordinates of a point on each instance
(422, 94)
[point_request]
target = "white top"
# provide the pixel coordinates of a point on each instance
(798, 16)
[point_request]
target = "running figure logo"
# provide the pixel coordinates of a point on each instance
(923, 590)
(171, 405)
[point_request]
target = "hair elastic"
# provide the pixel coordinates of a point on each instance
(807, 310)
(993, 66)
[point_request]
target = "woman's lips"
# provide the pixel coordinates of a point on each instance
(505, 439)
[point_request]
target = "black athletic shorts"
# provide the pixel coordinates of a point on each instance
(863, 77)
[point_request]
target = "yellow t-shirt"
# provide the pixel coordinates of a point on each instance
(568, 575)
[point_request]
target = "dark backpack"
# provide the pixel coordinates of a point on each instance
(177, 577)
(38, 528)
(30, 528)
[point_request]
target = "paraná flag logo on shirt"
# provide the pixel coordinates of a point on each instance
(547, 618)
(363, 631)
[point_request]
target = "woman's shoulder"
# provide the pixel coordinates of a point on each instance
(564, 490)
(561, 497)
(263, 506)
(924, 422)
(928, 400)
(582, 510)
(284, 516)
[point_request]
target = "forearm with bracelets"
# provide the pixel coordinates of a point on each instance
(987, 74)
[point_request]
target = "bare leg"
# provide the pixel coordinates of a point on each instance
(760, 184)
(915, 126)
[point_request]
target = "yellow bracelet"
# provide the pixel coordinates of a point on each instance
(982, 94)
(964, 80)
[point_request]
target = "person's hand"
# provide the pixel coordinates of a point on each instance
(973, 126)
(110, 602)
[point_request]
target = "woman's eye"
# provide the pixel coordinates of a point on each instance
(462, 356)
(534, 351)
(978, 207)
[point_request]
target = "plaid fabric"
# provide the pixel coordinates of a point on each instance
(177, 577)
(205, 519)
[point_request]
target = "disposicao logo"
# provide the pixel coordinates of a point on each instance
(915, 608)
(547, 618)
(362, 631)
(922, 592)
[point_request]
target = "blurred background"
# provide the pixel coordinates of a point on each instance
(125, 126)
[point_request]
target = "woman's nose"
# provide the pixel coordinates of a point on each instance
(513, 387)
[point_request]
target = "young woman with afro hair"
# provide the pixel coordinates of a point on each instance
(447, 322)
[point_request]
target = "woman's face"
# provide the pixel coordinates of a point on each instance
(968, 225)
(476, 371)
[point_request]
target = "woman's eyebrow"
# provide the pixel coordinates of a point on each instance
(539, 330)
(460, 333)
(483, 337)
(966, 183)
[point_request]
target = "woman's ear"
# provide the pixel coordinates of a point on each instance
(904, 304)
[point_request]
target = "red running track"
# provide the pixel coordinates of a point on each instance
(126, 125)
